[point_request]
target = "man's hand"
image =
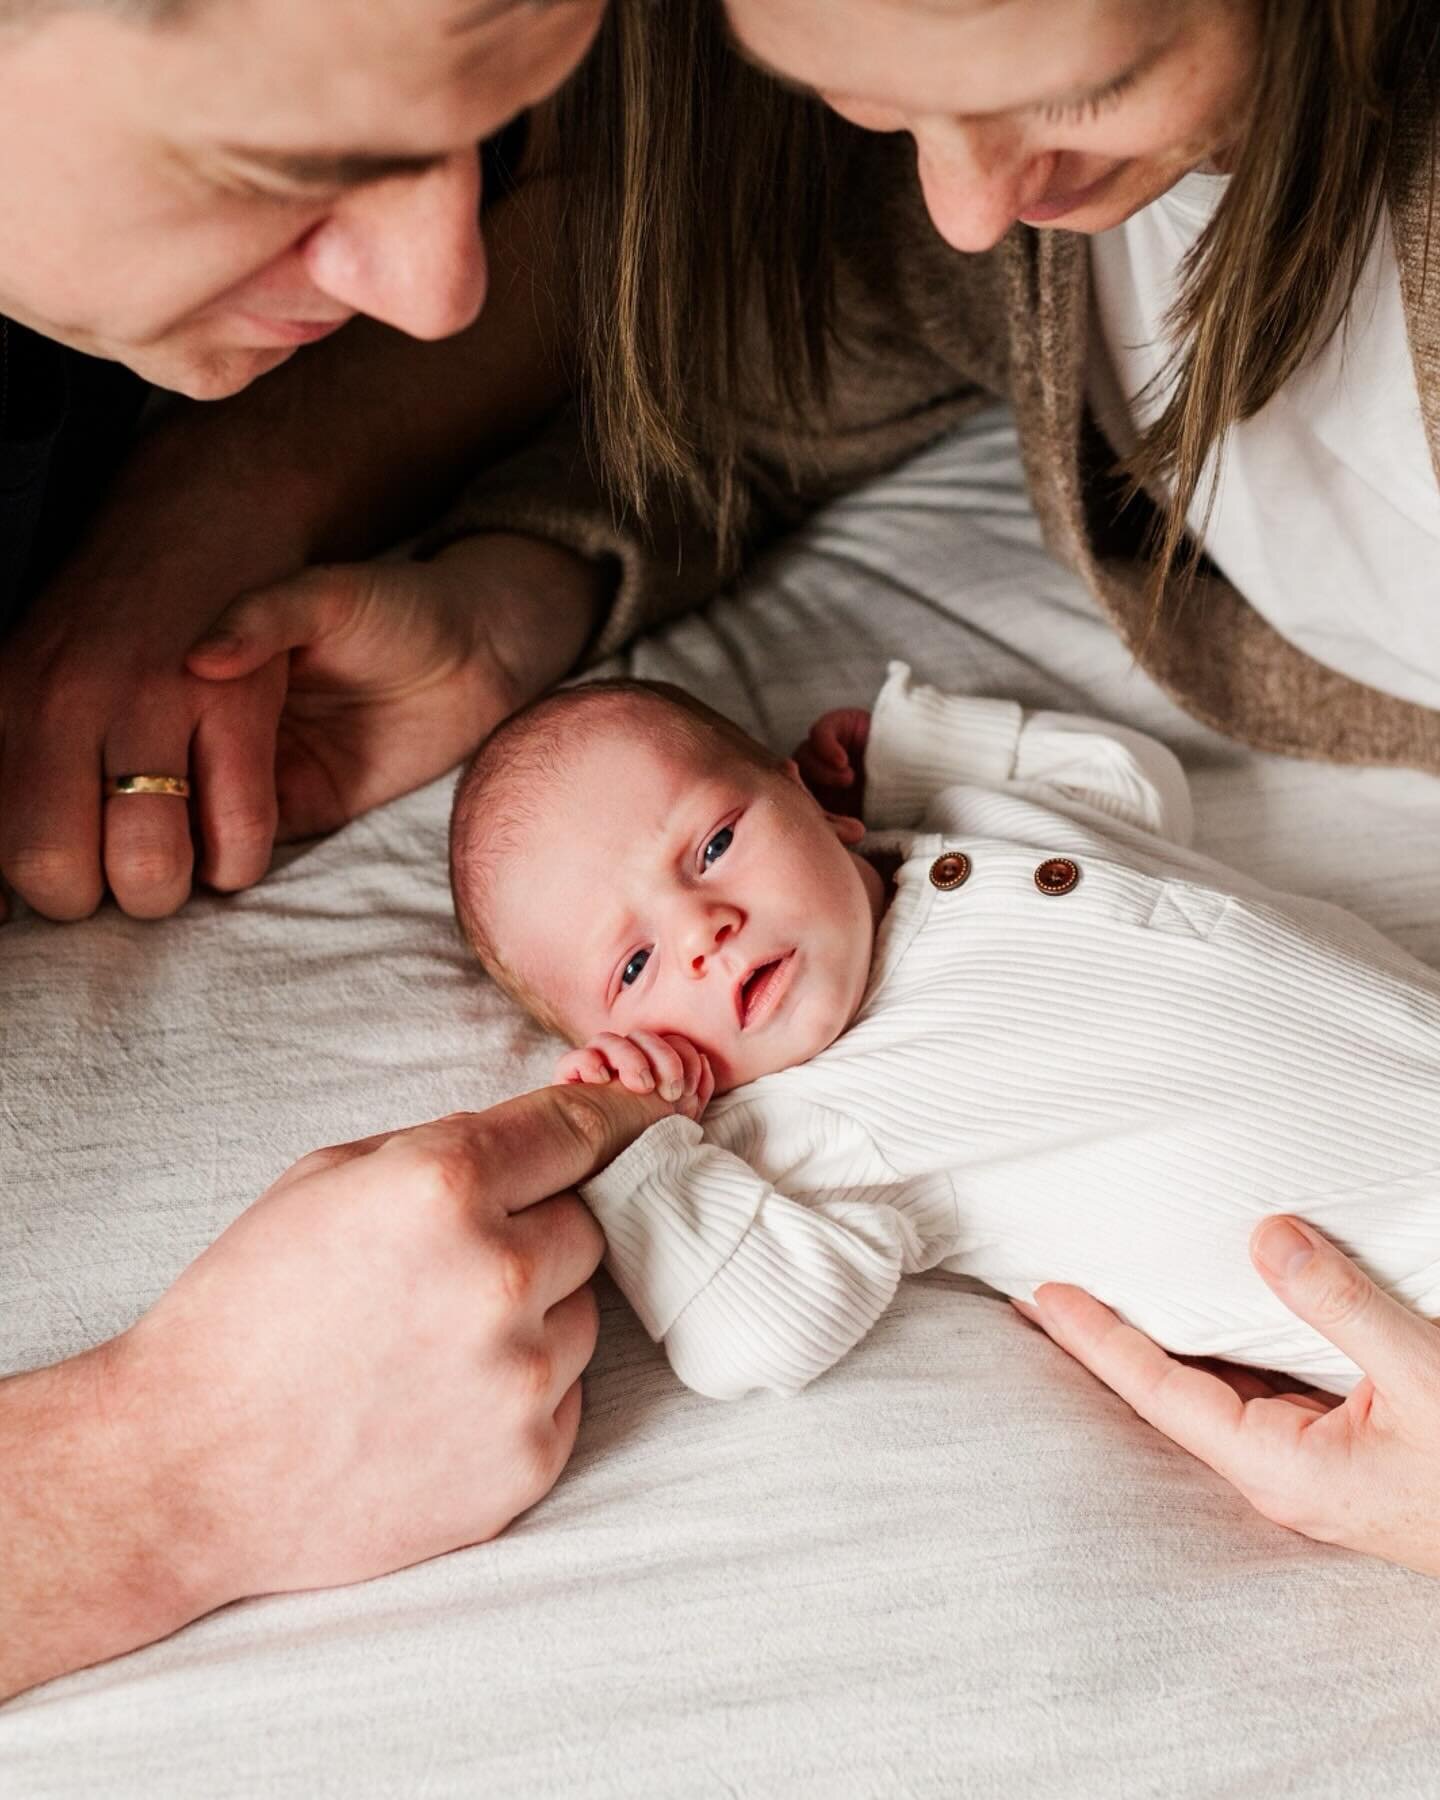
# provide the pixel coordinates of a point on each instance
(1365, 1472)
(378, 1362)
(831, 761)
(94, 684)
(396, 671)
(644, 1062)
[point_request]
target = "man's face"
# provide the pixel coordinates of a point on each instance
(693, 894)
(199, 199)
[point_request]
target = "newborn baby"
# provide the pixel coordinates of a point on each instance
(1018, 1030)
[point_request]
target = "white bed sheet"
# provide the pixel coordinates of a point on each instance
(954, 1566)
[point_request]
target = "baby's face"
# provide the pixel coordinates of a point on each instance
(688, 892)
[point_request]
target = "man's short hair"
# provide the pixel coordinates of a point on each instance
(141, 12)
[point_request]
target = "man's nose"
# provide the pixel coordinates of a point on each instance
(407, 251)
(707, 928)
(977, 178)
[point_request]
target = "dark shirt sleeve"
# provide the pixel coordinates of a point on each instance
(65, 422)
(34, 400)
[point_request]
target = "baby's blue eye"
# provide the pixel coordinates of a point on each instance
(718, 845)
(631, 973)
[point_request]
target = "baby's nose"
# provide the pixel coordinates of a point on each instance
(710, 931)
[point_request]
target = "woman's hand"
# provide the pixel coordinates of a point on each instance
(832, 760)
(1365, 1472)
(644, 1063)
(396, 671)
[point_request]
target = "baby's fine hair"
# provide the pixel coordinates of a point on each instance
(498, 797)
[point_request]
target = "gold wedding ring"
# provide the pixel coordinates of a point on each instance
(174, 785)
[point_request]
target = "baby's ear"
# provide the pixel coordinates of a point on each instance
(848, 830)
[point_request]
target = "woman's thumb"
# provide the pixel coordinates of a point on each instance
(261, 625)
(1323, 1287)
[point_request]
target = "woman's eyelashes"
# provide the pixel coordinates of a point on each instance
(1091, 107)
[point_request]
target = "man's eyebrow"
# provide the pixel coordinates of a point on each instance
(485, 12)
(336, 168)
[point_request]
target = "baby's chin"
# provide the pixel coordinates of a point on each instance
(813, 1032)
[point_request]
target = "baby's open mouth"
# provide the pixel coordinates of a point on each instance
(760, 989)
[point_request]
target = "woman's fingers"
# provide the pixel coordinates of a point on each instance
(275, 620)
(1198, 1410)
(1397, 1349)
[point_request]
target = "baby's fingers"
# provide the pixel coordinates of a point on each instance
(629, 1061)
(691, 1061)
(666, 1063)
(582, 1065)
(825, 761)
(705, 1090)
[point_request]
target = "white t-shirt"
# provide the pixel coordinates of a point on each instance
(1327, 517)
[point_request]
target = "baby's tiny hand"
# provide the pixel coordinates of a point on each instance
(832, 759)
(645, 1063)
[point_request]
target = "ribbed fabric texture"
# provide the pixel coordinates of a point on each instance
(1107, 1086)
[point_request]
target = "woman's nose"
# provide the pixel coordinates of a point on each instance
(407, 251)
(709, 928)
(977, 178)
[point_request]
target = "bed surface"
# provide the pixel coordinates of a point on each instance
(953, 1566)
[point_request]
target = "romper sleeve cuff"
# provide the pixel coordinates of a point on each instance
(923, 741)
(672, 1216)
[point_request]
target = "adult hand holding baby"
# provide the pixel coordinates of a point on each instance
(1363, 1473)
(378, 1362)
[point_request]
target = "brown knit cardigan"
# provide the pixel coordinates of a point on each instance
(965, 329)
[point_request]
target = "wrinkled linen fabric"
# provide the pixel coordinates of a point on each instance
(954, 1566)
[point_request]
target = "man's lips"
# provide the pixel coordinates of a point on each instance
(1056, 206)
(761, 991)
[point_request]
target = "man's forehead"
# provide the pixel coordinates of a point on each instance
(395, 79)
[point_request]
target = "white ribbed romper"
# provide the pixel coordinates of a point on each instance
(1107, 1086)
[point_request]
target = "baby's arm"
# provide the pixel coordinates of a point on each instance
(747, 1287)
(922, 741)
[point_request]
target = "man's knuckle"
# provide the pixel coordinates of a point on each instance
(541, 1456)
(60, 882)
(446, 1174)
(1338, 1296)
(153, 867)
(536, 1371)
(512, 1274)
(247, 825)
(583, 1119)
(526, 1372)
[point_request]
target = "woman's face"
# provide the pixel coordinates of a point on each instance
(1073, 113)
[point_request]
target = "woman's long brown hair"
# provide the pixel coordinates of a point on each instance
(703, 220)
